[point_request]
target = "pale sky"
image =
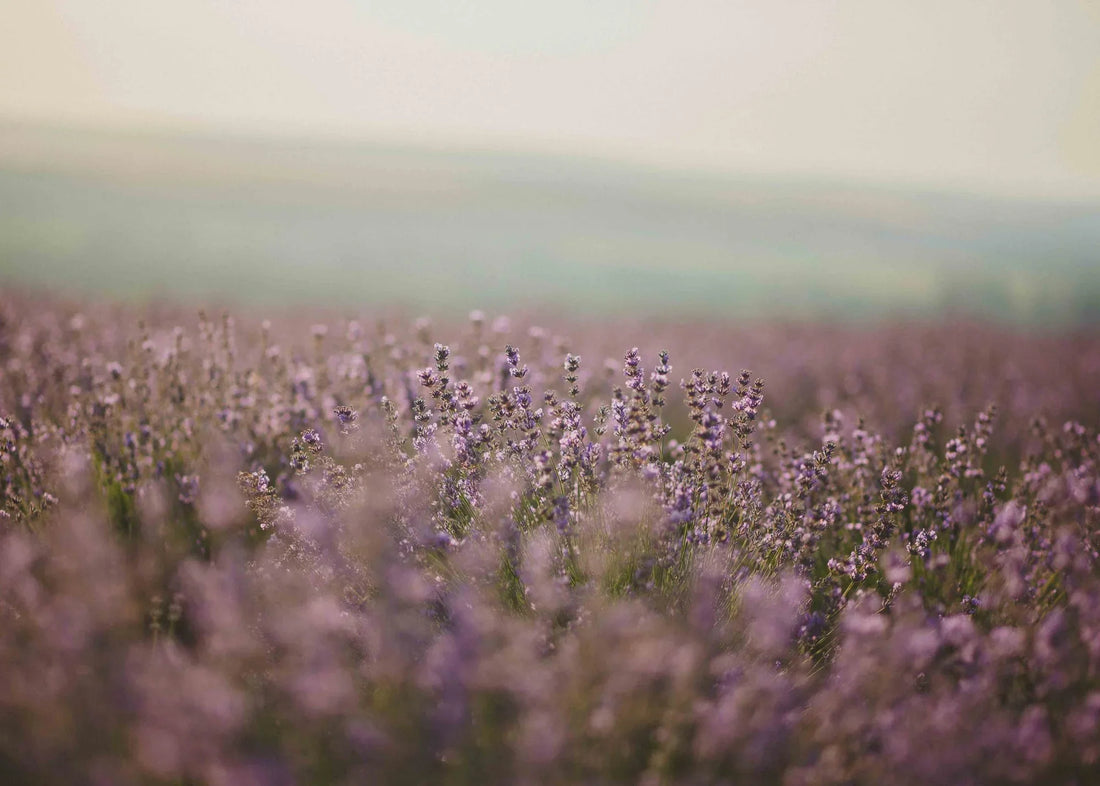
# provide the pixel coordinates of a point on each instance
(989, 95)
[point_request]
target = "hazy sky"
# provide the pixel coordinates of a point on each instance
(999, 95)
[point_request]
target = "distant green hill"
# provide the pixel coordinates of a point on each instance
(273, 222)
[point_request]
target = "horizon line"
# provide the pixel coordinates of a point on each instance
(193, 129)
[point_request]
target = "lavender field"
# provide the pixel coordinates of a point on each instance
(332, 550)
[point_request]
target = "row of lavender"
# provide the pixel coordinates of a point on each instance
(485, 552)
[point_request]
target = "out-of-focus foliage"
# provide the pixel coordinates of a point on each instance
(239, 553)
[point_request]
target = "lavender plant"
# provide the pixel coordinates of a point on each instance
(238, 552)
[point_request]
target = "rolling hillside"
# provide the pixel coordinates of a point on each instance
(337, 222)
